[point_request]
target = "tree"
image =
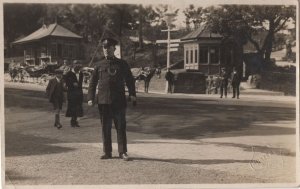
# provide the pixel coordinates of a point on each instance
(227, 20)
(193, 15)
(243, 22)
(20, 20)
(266, 18)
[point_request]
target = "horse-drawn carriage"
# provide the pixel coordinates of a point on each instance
(19, 72)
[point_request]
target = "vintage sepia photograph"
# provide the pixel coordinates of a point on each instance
(162, 94)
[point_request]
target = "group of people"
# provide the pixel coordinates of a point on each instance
(109, 78)
(69, 80)
(235, 83)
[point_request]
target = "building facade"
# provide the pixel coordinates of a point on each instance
(51, 44)
(206, 52)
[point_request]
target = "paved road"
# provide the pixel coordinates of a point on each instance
(173, 139)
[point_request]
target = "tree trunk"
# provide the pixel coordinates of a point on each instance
(154, 54)
(141, 42)
(268, 49)
(269, 42)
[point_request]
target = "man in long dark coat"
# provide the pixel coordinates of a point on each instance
(110, 75)
(235, 82)
(170, 79)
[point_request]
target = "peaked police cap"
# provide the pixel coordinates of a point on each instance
(106, 42)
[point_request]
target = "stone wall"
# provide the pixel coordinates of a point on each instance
(190, 82)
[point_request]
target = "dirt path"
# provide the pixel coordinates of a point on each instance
(171, 139)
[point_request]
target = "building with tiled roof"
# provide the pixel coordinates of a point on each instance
(50, 44)
(206, 51)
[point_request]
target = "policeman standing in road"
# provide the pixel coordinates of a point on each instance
(110, 75)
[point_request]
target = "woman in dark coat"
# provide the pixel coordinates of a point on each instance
(73, 79)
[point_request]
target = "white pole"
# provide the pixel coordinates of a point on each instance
(168, 56)
(168, 51)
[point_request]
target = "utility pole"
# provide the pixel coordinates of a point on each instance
(169, 17)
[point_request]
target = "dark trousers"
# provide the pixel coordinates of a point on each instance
(223, 88)
(236, 89)
(170, 87)
(108, 114)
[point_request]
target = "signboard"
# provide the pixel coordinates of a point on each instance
(173, 49)
(174, 45)
(166, 41)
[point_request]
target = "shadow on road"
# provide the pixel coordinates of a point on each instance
(176, 118)
(190, 161)
(25, 145)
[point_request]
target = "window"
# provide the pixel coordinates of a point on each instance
(203, 55)
(53, 50)
(192, 56)
(187, 57)
(214, 55)
(59, 50)
(196, 56)
(70, 51)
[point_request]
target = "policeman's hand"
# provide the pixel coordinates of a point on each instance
(75, 84)
(90, 103)
(133, 99)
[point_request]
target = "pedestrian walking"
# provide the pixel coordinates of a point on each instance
(223, 82)
(110, 75)
(209, 84)
(55, 93)
(170, 79)
(74, 79)
(235, 82)
(65, 67)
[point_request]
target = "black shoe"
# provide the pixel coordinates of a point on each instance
(124, 156)
(73, 124)
(221, 96)
(106, 156)
(59, 126)
(233, 97)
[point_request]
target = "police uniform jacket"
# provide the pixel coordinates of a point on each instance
(110, 76)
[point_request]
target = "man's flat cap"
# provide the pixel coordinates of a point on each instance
(106, 42)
